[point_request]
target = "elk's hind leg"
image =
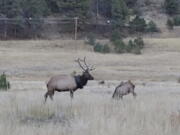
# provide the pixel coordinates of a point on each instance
(71, 94)
(114, 94)
(50, 94)
(45, 96)
(120, 96)
(134, 94)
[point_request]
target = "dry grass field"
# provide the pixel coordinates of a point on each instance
(29, 64)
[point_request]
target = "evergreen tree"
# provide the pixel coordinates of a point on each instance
(24, 8)
(138, 24)
(26, 14)
(119, 12)
(4, 84)
(74, 8)
(10, 8)
(171, 6)
(130, 3)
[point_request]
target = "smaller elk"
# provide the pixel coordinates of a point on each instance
(123, 89)
(71, 83)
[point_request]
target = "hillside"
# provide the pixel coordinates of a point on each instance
(27, 19)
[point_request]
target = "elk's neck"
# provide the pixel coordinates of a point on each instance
(81, 81)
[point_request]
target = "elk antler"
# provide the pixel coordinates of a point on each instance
(84, 61)
(78, 61)
(92, 68)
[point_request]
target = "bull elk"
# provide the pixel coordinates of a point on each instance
(63, 83)
(124, 88)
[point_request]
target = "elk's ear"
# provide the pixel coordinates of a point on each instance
(87, 71)
(121, 83)
(129, 81)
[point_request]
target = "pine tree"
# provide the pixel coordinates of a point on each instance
(4, 84)
(119, 12)
(74, 8)
(24, 12)
(171, 6)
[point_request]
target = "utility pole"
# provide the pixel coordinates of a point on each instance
(5, 28)
(75, 27)
(4, 19)
(97, 9)
(97, 12)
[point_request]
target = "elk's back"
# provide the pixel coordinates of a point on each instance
(124, 89)
(62, 82)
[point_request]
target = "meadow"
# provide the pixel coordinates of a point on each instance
(29, 64)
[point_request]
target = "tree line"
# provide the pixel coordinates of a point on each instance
(27, 13)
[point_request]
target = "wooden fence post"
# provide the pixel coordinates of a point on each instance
(75, 27)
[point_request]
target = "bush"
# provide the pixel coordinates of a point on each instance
(170, 24)
(135, 46)
(176, 21)
(91, 39)
(138, 24)
(116, 35)
(4, 84)
(101, 48)
(120, 46)
(139, 42)
(151, 27)
(130, 46)
(106, 49)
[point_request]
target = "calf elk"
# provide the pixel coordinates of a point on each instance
(123, 89)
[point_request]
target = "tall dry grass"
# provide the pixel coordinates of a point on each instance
(89, 113)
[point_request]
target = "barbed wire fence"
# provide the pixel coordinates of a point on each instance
(28, 27)
(25, 28)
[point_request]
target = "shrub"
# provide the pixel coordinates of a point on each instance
(101, 48)
(120, 46)
(139, 42)
(130, 46)
(116, 35)
(98, 47)
(138, 24)
(170, 24)
(106, 49)
(176, 21)
(4, 84)
(91, 39)
(151, 27)
(135, 46)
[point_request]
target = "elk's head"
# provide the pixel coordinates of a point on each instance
(86, 69)
(129, 81)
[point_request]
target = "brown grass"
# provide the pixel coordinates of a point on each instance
(38, 60)
(92, 111)
(29, 64)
